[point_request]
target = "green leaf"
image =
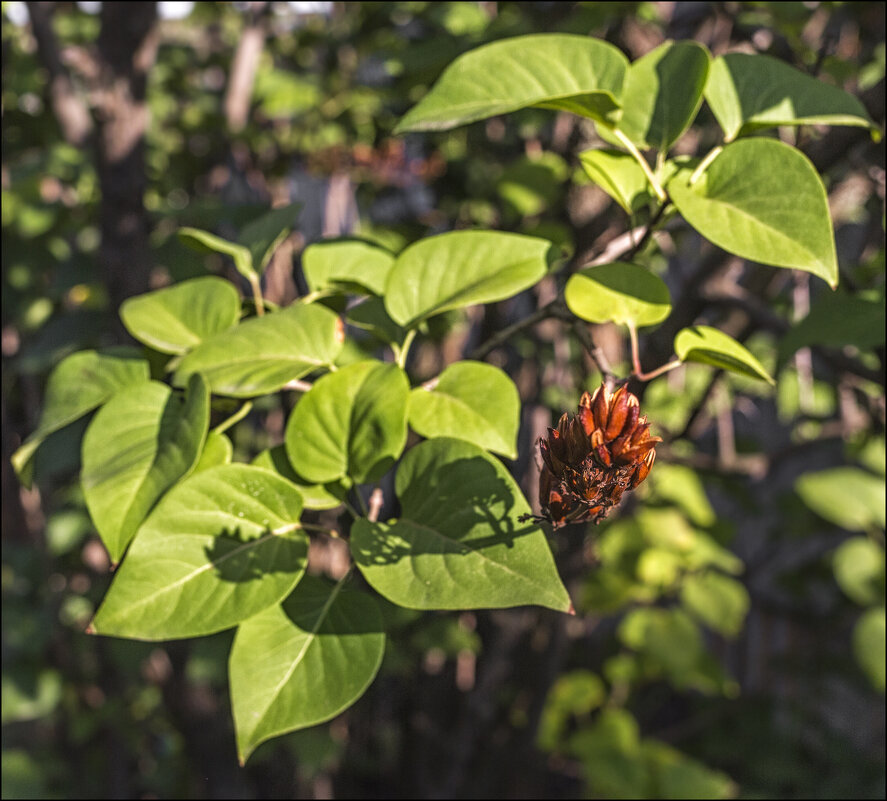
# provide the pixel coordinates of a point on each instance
(303, 662)
(837, 319)
(262, 236)
(220, 547)
(216, 451)
(262, 354)
(557, 71)
(662, 93)
(620, 292)
(707, 345)
(205, 242)
(79, 383)
(459, 543)
(531, 184)
(472, 401)
(749, 93)
(371, 315)
(720, 602)
(462, 268)
(314, 496)
(140, 443)
(859, 570)
(620, 176)
(679, 777)
(869, 637)
(350, 423)
(577, 693)
(668, 637)
(846, 496)
(611, 755)
(179, 317)
(762, 200)
(352, 264)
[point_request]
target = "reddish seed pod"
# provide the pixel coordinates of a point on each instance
(594, 457)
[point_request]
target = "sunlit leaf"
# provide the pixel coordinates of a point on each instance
(216, 450)
(750, 92)
(263, 354)
(620, 292)
(702, 343)
(80, 383)
(662, 93)
(619, 175)
(472, 401)
(462, 268)
(762, 200)
(177, 318)
(458, 543)
(314, 496)
(140, 443)
(350, 423)
(219, 548)
(349, 263)
(302, 662)
(558, 71)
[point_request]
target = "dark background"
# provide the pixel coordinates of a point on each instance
(122, 125)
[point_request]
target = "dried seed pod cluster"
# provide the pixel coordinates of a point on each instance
(591, 459)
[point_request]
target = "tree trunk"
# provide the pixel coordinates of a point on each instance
(127, 48)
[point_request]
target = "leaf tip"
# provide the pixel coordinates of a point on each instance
(90, 629)
(571, 610)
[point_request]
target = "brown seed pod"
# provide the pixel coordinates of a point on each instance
(591, 459)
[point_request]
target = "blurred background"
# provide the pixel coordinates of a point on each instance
(729, 640)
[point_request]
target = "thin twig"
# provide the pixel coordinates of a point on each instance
(298, 385)
(553, 309)
(377, 501)
(580, 328)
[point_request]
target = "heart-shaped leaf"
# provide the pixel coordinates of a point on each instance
(662, 93)
(262, 236)
(349, 263)
(80, 383)
(620, 292)
(619, 175)
(219, 548)
(751, 92)
(558, 71)
(264, 353)
(762, 200)
(140, 443)
(472, 401)
(707, 345)
(350, 423)
(302, 662)
(177, 318)
(458, 543)
(205, 242)
(462, 268)
(314, 496)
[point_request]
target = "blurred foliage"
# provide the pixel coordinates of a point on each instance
(730, 631)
